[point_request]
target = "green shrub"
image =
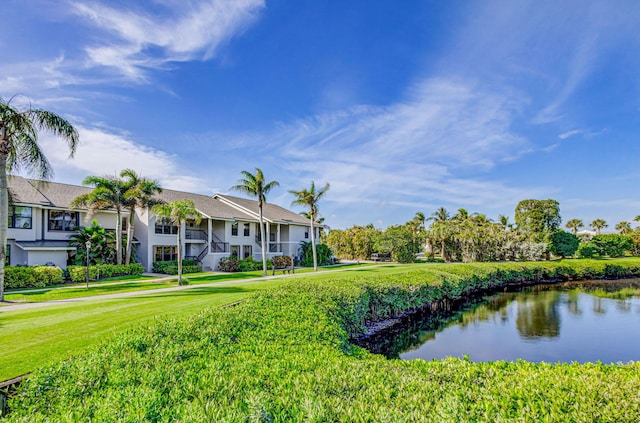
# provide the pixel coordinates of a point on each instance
(587, 250)
(51, 275)
(323, 253)
(173, 270)
(160, 266)
(102, 271)
(612, 245)
(20, 277)
(563, 244)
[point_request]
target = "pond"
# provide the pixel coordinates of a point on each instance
(585, 321)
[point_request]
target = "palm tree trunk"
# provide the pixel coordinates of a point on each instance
(127, 258)
(119, 237)
(313, 242)
(4, 212)
(179, 250)
(442, 244)
(262, 245)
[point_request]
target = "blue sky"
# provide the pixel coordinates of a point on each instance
(401, 106)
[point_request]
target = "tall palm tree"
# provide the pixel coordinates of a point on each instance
(255, 186)
(440, 228)
(108, 193)
(310, 197)
(599, 224)
(624, 227)
(574, 225)
(139, 194)
(19, 149)
(177, 212)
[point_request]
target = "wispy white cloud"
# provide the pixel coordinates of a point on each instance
(177, 32)
(102, 152)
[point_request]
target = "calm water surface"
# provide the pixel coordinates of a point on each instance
(565, 322)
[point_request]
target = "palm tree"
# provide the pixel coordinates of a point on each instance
(503, 221)
(599, 224)
(177, 212)
(101, 242)
(310, 197)
(139, 194)
(574, 225)
(624, 227)
(439, 228)
(108, 193)
(19, 149)
(255, 186)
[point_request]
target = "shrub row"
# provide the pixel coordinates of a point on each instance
(32, 276)
(101, 271)
(161, 266)
(233, 264)
(285, 355)
(173, 270)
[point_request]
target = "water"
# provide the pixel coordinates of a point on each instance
(552, 323)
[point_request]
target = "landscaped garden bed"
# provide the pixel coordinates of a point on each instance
(285, 355)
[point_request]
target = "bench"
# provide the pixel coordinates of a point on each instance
(284, 263)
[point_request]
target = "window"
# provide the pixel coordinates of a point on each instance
(62, 220)
(165, 226)
(235, 251)
(20, 217)
(246, 229)
(306, 233)
(234, 229)
(165, 253)
(7, 258)
(246, 251)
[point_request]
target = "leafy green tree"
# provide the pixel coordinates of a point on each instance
(574, 225)
(139, 194)
(310, 197)
(598, 225)
(19, 149)
(398, 241)
(323, 256)
(353, 243)
(178, 212)
(538, 219)
(256, 186)
(108, 193)
(563, 244)
(102, 244)
(441, 228)
(612, 245)
(624, 228)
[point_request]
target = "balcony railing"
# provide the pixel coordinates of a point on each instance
(196, 234)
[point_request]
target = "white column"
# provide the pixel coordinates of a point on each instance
(210, 238)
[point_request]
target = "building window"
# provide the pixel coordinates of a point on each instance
(235, 251)
(7, 257)
(306, 233)
(234, 229)
(20, 217)
(246, 251)
(63, 220)
(246, 229)
(165, 226)
(165, 252)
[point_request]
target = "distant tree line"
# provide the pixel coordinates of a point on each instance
(535, 235)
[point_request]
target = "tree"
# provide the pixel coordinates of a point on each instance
(538, 219)
(574, 225)
(624, 228)
(177, 212)
(19, 149)
(139, 194)
(255, 186)
(440, 228)
(598, 225)
(108, 193)
(563, 244)
(102, 244)
(310, 197)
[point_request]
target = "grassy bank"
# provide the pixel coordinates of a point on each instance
(285, 355)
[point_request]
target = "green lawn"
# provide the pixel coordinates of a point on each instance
(35, 337)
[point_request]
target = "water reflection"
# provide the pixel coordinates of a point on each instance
(586, 321)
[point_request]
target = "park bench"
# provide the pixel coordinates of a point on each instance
(284, 263)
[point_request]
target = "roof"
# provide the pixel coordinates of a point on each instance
(224, 207)
(46, 194)
(270, 211)
(44, 244)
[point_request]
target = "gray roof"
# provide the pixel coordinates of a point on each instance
(270, 211)
(47, 194)
(27, 245)
(54, 194)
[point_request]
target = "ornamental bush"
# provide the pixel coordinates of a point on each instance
(173, 270)
(160, 266)
(32, 276)
(101, 271)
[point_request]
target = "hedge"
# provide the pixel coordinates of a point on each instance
(161, 266)
(101, 271)
(173, 270)
(32, 276)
